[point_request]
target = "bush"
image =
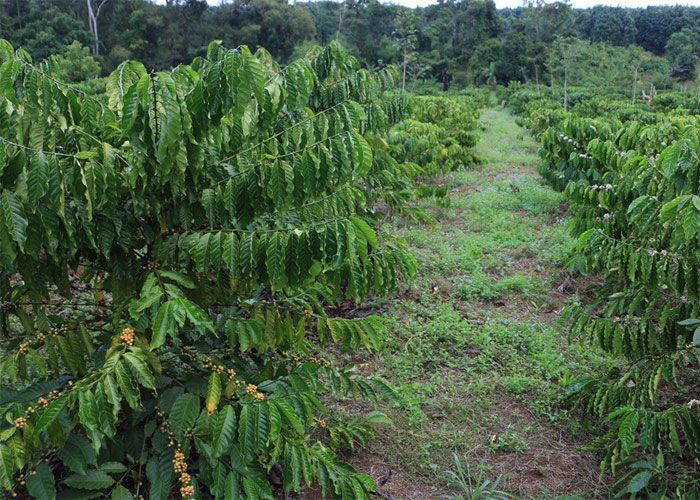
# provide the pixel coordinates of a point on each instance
(633, 189)
(76, 64)
(170, 259)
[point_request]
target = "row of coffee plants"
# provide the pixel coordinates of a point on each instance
(541, 107)
(635, 201)
(170, 253)
(438, 138)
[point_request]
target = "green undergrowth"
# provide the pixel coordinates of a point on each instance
(475, 351)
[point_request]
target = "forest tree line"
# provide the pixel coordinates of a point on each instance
(451, 42)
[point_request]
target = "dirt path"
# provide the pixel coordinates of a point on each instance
(475, 349)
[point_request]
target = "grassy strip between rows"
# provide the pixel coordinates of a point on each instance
(475, 343)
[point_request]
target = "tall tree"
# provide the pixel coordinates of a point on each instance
(655, 25)
(273, 24)
(613, 25)
(93, 16)
(544, 22)
(76, 64)
(405, 35)
(683, 50)
(368, 28)
(562, 58)
(475, 21)
(639, 56)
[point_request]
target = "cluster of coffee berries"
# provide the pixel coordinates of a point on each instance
(21, 422)
(41, 337)
(43, 403)
(234, 384)
(179, 462)
(127, 336)
(320, 422)
(320, 361)
(22, 482)
(180, 467)
(55, 394)
(166, 428)
(217, 368)
(152, 266)
(252, 390)
(53, 332)
(310, 359)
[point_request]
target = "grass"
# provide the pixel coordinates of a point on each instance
(475, 350)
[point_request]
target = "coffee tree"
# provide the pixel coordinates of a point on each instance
(438, 138)
(636, 211)
(170, 256)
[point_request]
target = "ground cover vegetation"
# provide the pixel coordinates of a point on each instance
(475, 352)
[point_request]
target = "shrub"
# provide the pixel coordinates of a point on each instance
(170, 256)
(634, 193)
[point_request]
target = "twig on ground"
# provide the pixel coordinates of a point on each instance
(382, 495)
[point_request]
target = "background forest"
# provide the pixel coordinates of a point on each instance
(461, 42)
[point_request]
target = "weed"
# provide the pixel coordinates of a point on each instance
(472, 487)
(508, 441)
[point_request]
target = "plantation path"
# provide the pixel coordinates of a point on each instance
(475, 349)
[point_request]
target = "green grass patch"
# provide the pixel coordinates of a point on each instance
(480, 368)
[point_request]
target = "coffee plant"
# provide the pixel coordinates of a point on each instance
(438, 138)
(634, 192)
(173, 252)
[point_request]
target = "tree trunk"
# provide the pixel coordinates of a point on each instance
(552, 84)
(455, 34)
(92, 22)
(19, 14)
(566, 88)
(97, 40)
(340, 21)
(456, 52)
(403, 78)
(634, 85)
